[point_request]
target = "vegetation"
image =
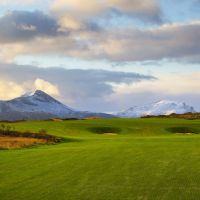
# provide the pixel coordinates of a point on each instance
(146, 159)
(19, 142)
(189, 116)
(11, 139)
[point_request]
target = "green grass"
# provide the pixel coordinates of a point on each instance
(145, 160)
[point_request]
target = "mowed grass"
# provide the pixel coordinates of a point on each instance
(141, 160)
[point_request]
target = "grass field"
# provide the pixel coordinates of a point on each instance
(117, 159)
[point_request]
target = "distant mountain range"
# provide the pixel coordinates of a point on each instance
(163, 107)
(40, 106)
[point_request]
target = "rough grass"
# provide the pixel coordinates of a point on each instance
(27, 134)
(12, 139)
(144, 162)
(19, 142)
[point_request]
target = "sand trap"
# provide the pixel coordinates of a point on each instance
(185, 133)
(109, 133)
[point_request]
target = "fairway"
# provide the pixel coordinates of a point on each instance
(111, 159)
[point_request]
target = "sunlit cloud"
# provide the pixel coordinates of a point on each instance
(46, 86)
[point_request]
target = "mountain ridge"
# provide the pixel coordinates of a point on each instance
(39, 106)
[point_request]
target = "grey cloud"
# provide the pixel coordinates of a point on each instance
(75, 84)
(155, 16)
(25, 25)
(145, 10)
(92, 41)
(170, 41)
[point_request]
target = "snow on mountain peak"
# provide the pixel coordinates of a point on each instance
(28, 94)
(35, 93)
(163, 107)
(164, 101)
(40, 93)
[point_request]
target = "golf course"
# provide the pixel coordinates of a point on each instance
(105, 159)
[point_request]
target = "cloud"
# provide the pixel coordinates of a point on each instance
(169, 85)
(14, 89)
(24, 25)
(171, 41)
(32, 37)
(35, 33)
(73, 86)
(21, 2)
(148, 10)
(19, 88)
(99, 90)
(46, 87)
(179, 87)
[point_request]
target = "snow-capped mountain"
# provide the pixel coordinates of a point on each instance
(163, 107)
(39, 105)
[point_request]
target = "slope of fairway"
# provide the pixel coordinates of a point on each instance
(141, 160)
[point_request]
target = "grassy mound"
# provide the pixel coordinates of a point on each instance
(105, 130)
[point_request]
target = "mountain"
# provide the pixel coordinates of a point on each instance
(38, 106)
(163, 107)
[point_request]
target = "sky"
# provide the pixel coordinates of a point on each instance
(101, 55)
